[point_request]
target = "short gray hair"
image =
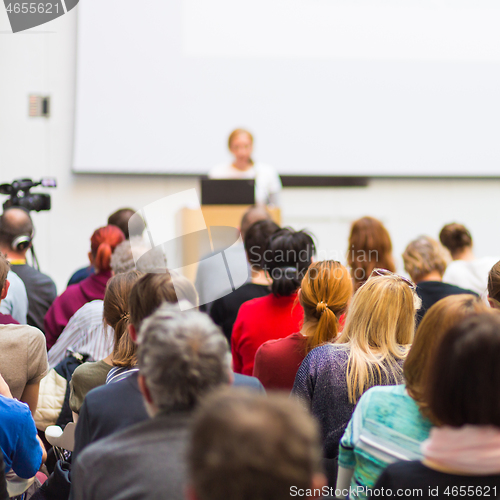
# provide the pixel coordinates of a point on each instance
(183, 356)
(149, 260)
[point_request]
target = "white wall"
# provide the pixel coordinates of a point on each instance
(42, 61)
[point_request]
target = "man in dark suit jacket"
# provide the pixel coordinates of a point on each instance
(182, 356)
(116, 406)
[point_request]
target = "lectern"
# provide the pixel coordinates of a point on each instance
(214, 215)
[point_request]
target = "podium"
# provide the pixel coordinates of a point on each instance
(214, 215)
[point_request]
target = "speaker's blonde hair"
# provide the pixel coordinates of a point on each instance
(378, 332)
(235, 133)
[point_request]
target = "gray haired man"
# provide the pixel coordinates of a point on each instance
(182, 357)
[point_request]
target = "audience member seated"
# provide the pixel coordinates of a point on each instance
(182, 357)
(370, 247)
(277, 315)
(463, 451)
(118, 405)
(244, 446)
(23, 358)
(131, 227)
(324, 294)
(15, 304)
(465, 270)
(122, 218)
(398, 434)
(379, 328)
(85, 332)
(211, 277)
(103, 242)
(117, 316)
(22, 450)
(425, 261)
(225, 310)
(16, 234)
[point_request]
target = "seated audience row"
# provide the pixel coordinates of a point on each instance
(370, 351)
(390, 423)
(181, 357)
(85, 331)
(377, 391)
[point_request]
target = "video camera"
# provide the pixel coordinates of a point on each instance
(20, 196)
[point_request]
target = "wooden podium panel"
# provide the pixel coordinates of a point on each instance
(214, 215)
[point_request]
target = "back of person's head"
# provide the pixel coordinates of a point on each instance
(424, 256)
(370, 247)
(4, 270)
(129, 224)
(464, 379)
(148, 259)
(494, 286)
(15, 223)
(288, 255)
(251, 216)
(256, 238)
(379, 327)
(455, 237)
(152, 289)
(116, 314)
(247, 446)
(324, 294)
(182, 356)
(437, 321)
(102, 245)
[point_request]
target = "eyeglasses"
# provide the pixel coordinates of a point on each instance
(385, 272)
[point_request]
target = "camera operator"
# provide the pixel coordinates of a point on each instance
(16, 235)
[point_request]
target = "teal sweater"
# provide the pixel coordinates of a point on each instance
(386, 427)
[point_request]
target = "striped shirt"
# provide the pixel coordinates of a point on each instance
(85, 333)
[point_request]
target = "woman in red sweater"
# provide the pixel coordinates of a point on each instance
(289, 254)
(324, 294)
